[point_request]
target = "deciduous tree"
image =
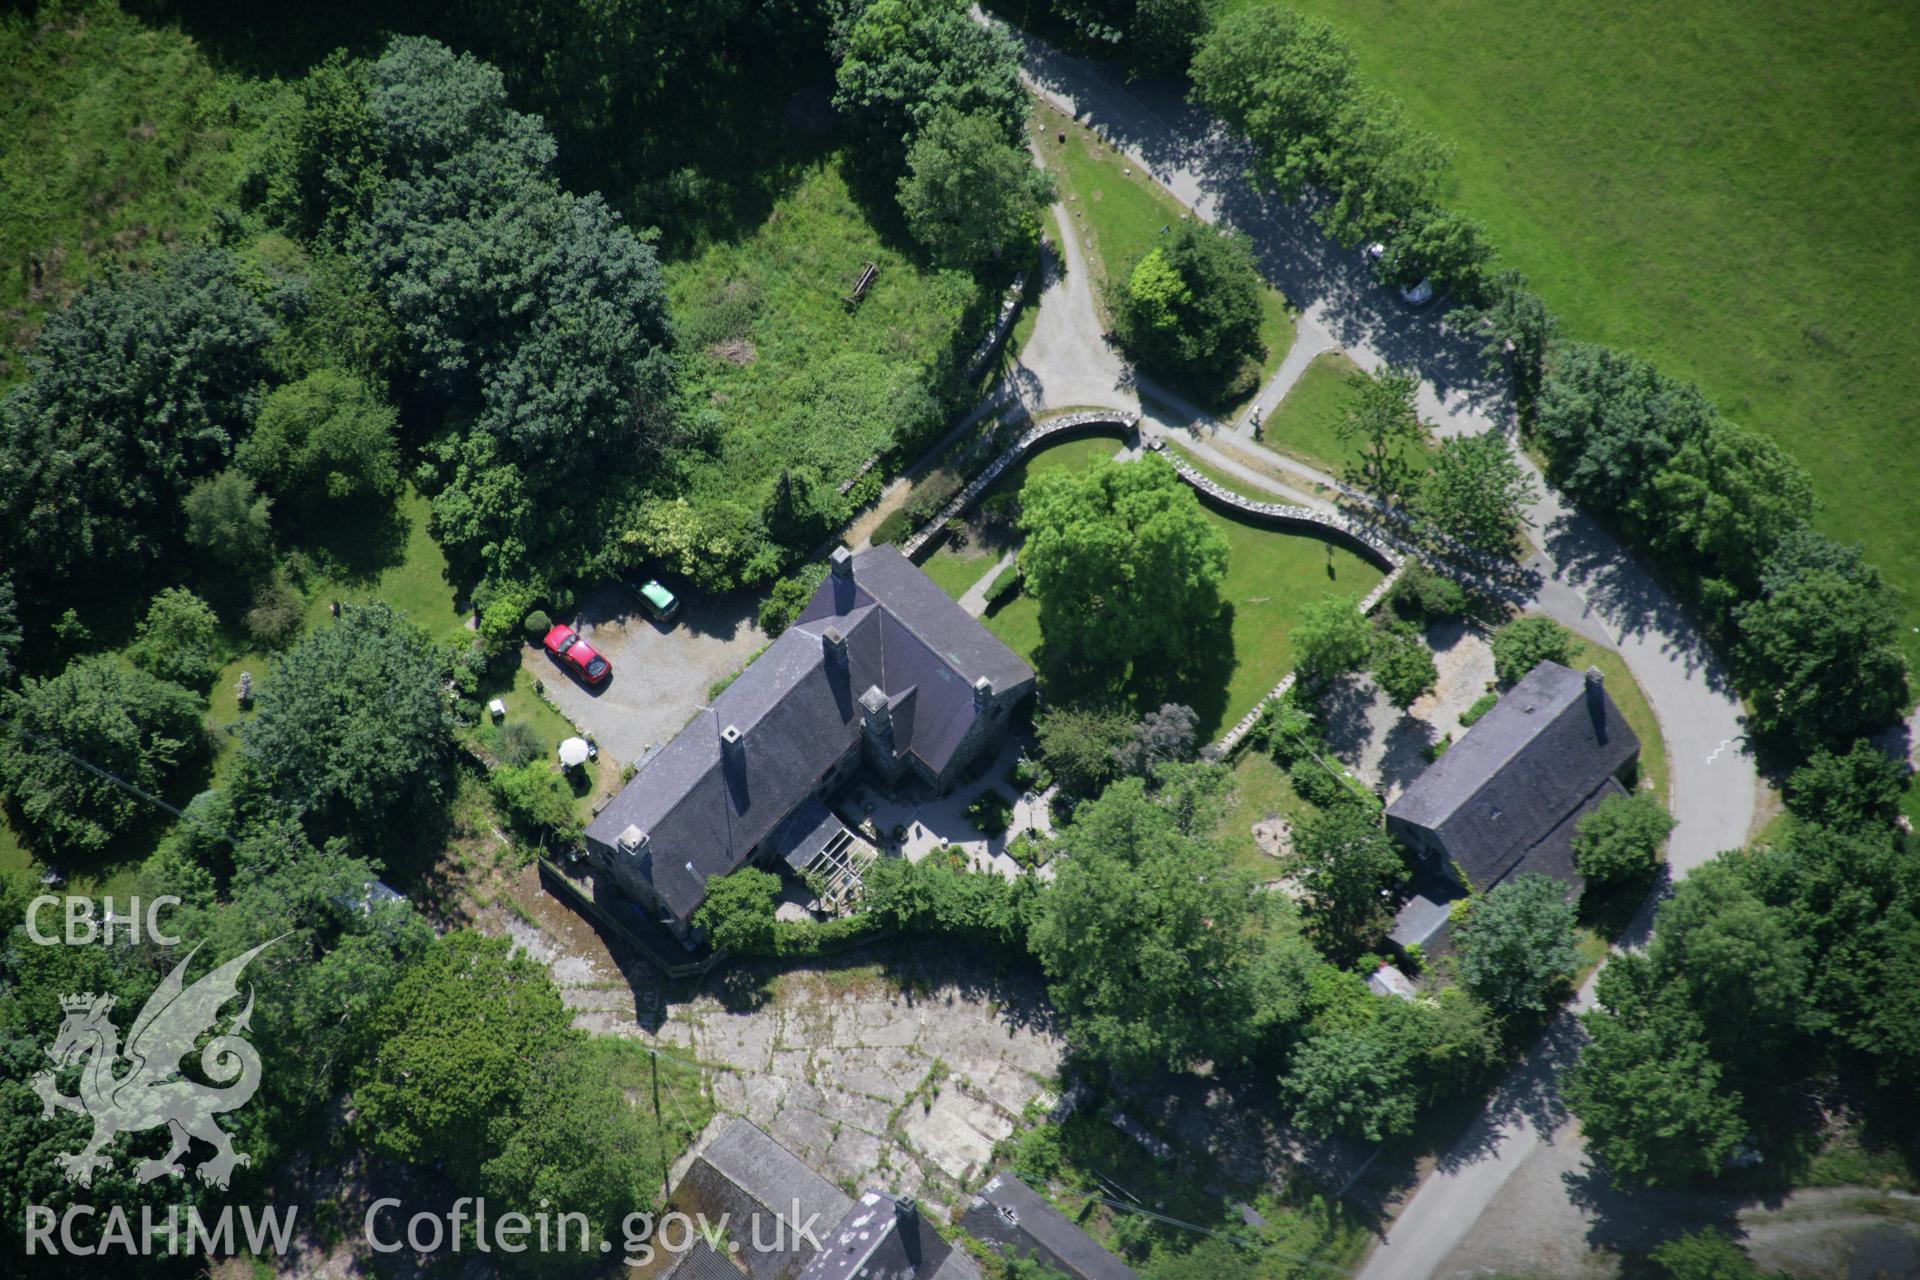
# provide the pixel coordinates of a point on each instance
(1516, 948)
(1124, 563)
(352, 727)
(1620, 839)
(1347, 862)
(1382, 425)
(1147, 938)
(1477, 492)
(1190, 308)
(134, 726)
(136, 389)
(971, 198)
(1647, 1092)
(1331, 639)
(1525, 643)
(179, 639)
(324, 439)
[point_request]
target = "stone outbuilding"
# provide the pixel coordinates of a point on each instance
(1506, 799)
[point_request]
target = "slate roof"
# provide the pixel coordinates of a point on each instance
(1514, 783)
(704, 806)
(702, 1263)
(882, 1238)
(1009, 1213)
(745, 1174)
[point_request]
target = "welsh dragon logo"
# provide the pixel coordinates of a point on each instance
(146, 1089)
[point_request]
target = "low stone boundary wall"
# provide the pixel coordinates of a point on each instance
(1355, 537)
(1002, 324)
(1065, 427)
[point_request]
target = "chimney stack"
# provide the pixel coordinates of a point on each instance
(633, 841)
(842, 562)
(906, 1216)
(731, 744)
(835, 644)
(982, 693)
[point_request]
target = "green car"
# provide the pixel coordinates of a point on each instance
(660, 603)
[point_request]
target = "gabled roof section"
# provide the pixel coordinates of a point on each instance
(747, 1175)
(881, 1238)
(1521, 772)
(1009, 1213)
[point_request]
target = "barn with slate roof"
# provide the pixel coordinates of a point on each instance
(881, 670)
(1506, 798)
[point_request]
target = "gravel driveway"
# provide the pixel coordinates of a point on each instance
(661, 671)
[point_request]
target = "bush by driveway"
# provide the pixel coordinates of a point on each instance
(661, 671)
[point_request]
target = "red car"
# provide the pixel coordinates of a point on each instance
(565, 644)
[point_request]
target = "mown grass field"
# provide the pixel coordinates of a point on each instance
(1728, 187)
(1119, 213)
(116, 142)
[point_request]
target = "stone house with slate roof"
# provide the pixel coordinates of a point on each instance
(1506, 798)
(881, 671)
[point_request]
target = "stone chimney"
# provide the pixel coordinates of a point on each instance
(732, 746)
(1597, 702)
(875, 712)
(906, 1218)
(982, 693)
(835, 645)
(842, 562)
(633, 841)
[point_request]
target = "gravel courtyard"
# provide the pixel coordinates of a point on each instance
(881, 1069)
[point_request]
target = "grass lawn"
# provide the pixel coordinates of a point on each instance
(1733, 197)
(1120, 212)
(115, 142)
(1306, 425)
(769, 332)
(1260, 791)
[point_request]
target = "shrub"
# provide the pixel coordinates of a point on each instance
(538, 624)
(502, 607)
(931, 496)
(1419, 594)
(894, 527)
(1481, 705)
(991, 812)
(1004, 587)
(956, 530)
(179, 639)
(277, 612)
(1525, 643)
(1620, 839)
(1319, 785)
(1402, 665)
(516, 744)
(789, 596)
(738, 912)
(537, 800)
